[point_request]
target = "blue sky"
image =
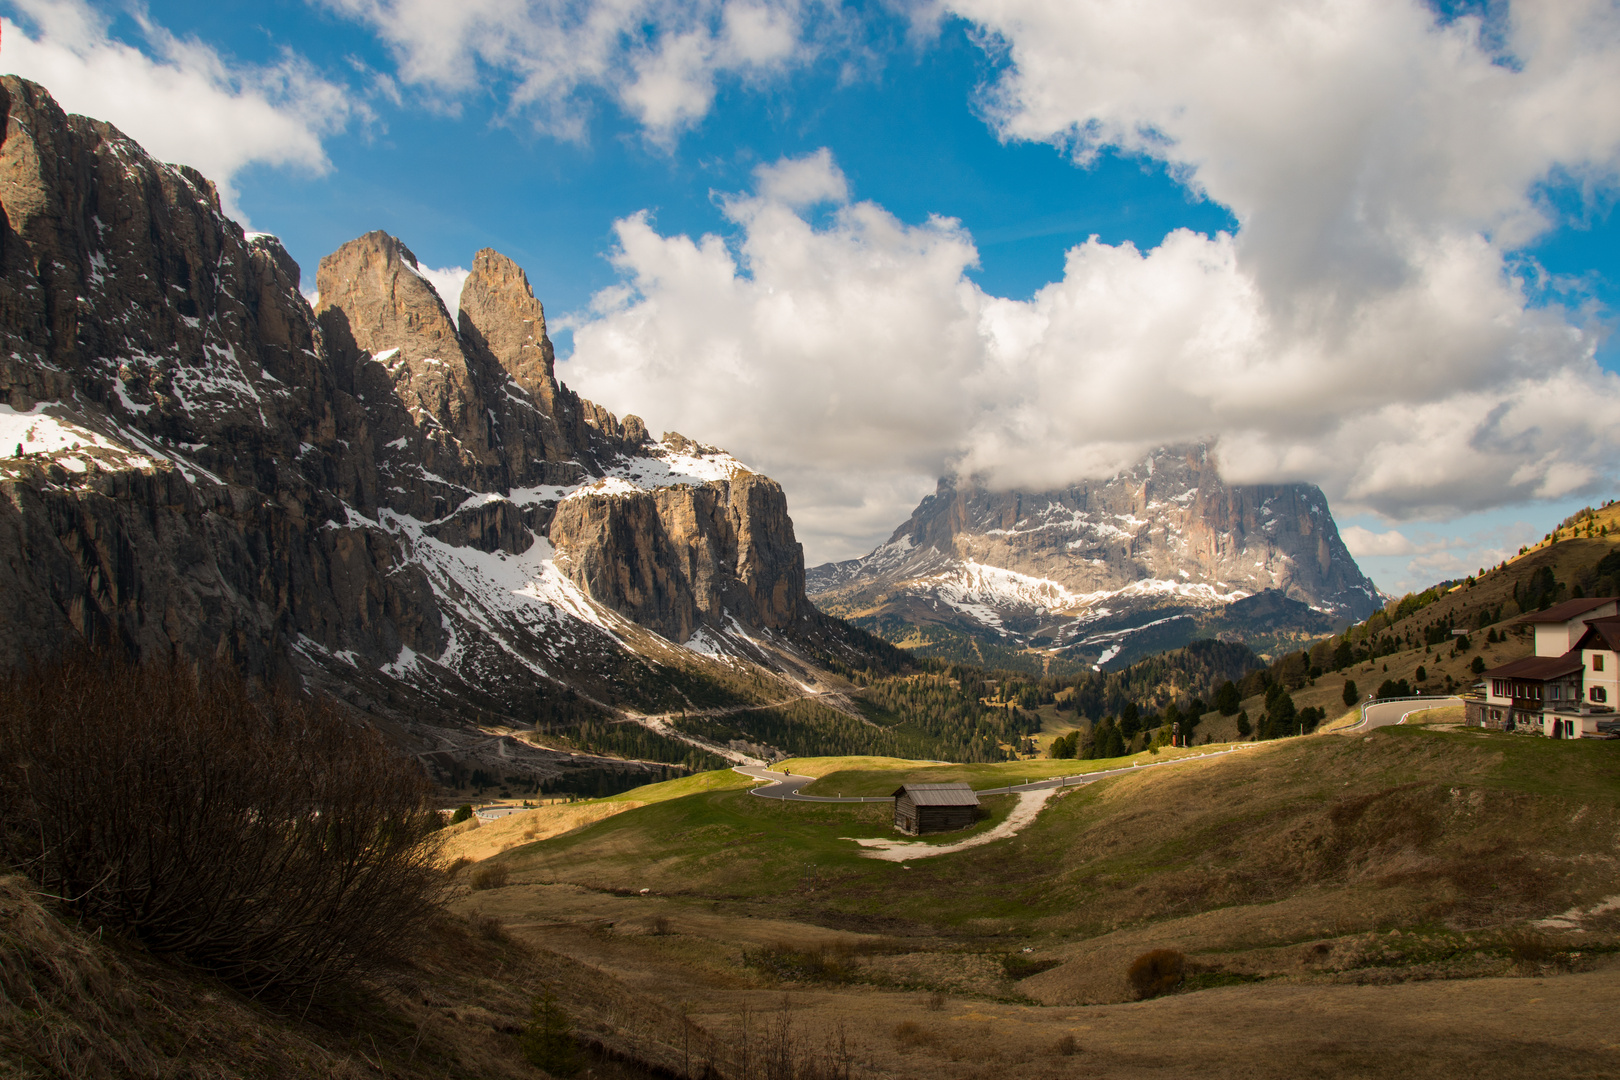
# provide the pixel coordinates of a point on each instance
(1346, 245)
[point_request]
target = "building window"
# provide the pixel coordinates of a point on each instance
(1597, 661)
(1496, 714)
(1599, 694)
(1552, 693)
(1499, 688)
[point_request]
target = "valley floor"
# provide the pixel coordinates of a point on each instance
(1346, 906)
(1414, 902)
(1542, 1021)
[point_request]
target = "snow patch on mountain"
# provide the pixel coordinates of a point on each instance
(38, 431)
(974, 589)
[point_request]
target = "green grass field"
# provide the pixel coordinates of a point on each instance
(718, 780)
(1256, 827)
(821, 766)
(881, 776)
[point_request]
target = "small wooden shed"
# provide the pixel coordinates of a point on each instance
(933, 808)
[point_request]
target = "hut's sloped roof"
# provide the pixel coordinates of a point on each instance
(939, 794)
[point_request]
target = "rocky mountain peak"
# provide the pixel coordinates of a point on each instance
(369, 497)
(1077, 571)
(500, 315)
(375, 284)
(389, 333)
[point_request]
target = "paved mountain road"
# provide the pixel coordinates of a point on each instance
(1377, 714)
(785, 786)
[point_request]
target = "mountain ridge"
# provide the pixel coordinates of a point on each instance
(1092, 573)
(368, 497)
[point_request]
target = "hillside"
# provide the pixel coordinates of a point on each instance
(1418, 631)
(1408, 647)
(1319, 889)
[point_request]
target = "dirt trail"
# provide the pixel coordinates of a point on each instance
(1029, 804)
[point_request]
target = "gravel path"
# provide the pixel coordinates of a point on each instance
(1029, 804)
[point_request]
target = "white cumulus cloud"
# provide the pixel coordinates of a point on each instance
(1362, 328)
(834, 357)
(447, 282)
(1363, 542)
(183, 102)
(659, 59)
(856, 361)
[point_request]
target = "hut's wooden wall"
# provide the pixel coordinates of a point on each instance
(910, 818)
(946, 818)
(905, 814)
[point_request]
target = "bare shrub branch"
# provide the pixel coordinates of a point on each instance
(270, 842)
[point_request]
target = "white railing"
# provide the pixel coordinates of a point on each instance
(1439, 701)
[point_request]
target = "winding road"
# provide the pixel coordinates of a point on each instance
(1388, 711)
(785, 786)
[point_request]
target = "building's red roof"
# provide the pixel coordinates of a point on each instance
(1539, 668)
(1569, 609)
(1601, 634)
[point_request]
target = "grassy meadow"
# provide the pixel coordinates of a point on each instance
(1362, 873)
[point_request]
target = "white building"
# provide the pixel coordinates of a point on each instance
(1569, 685)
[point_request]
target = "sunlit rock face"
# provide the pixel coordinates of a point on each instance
(1081, 572)
(369, 494)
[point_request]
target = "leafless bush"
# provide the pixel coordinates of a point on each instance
(936, 1002)
(783, 1051)
(1065, 1047)
(911, 1033)
(780, 1052)
(1528, 947)
(490, 876)
(488, 927)
(267, 841)
(658, 925)
(1157, 972)
(819, 963)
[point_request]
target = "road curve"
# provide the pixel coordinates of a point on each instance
(1377, 714)
(785, 786)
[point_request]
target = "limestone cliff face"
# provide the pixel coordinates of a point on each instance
(371, 495)
(142, 327)
(678, 558)
(1079, 566)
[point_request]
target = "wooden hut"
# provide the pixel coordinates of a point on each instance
(933, 808)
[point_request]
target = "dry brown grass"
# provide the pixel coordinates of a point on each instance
(911, 1034)
(77, 1007)
(489, 838)
(61, 999)
(489, 876)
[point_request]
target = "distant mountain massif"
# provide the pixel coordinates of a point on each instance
(1105, 572)
(372, 495)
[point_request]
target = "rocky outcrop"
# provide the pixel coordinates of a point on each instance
(1076, 570)
(370, 495)
(682, 557)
